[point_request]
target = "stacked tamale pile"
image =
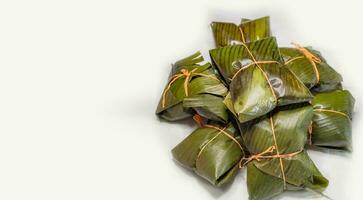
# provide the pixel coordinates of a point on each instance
(259, 107)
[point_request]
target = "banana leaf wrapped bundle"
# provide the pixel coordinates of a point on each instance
(193, 88)
(311, 68)
(262, 105)
(331, 125)
(248, 31)
(257, 81)
(212, 152)
(278, 161)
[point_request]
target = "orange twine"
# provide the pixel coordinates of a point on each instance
(218, 134)
(199, 120)
(271, 149)
(310, 131)
(332, 111)
(261, 156)
(188, 76)
(311, 57)
(255, 62)
(242, 34)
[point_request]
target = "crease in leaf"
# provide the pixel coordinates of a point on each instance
(331, 124)
(261, 85)
(311, 68)
(212, 152)
(188, 78)
(226, 34)
(286, 163)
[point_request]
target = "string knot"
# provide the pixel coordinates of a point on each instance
(311, 57)
(257, 157)
(307, 53)
(198, 120)
(184, 73)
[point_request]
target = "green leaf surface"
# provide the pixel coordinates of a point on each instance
(332, 119)
(259, 88)
(203, 80)
(290, 128)
(248, 31)
(230, 59)
(208, 106)
(262, 186)
(287, 130)
(304, 69)
(211, 154)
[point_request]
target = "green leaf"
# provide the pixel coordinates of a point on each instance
(230, 59)
(251, 95)
(332, 119)
(208, 106)
(304, 69)
(211, 154)
(203, 80)
(226, 34)
(257, 29)
(262, 186)
(326, 88)
(290, 127)
(285, 129)
(205, 85)
(259, 88)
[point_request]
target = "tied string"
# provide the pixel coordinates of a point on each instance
(242, 34)
(184, 73)
(264, 155)
(311, 57)
(332, 111)
(257, 63)
(271, 149)
(310, 130)
(250, 64)
(267, 155)
(199, 121)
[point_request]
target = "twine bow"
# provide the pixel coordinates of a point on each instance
(263, 155)
(188, 76)
(311, 57)
(267, 154)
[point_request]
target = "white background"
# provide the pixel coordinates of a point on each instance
(80, 81)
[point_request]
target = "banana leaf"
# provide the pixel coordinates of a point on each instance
(193, 88)
(256, 89)
(332, 125)
(311, 68)
(248, 31)
(212, 152)
(208, 106)
(278, 161)
(326, 88)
